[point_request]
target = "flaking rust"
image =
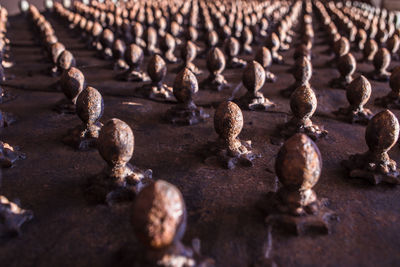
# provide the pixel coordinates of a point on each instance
(358, 93)
(229, 150)
(253, 79)
(185, 112)
(375, 165)
(159, 222)
(89, 108)
(119, 181)
(295, 207)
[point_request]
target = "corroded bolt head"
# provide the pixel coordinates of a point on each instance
(151, 36)
(346, 64)
(137, 29)
(232, 47)
(393, 44)
(189, 51)
(192, 34)
(134, 55)
(358, 92)
(215, 60)
(96, 29)
(263, 56)
(382, 59)
(72, 83)
(50, 40)
(107, 38)
(226, 31)
(303, 102)
(169, 42)
(159, 215)
(228, 120)
(394, 81)
(118, 49)
(56, 50)
(382, 132)
(89, 105)
(212, 38)
(299, 164)
(185, 86)
(370, 48)
(303, 70)
(341, 47)
(66, 60)
(273, 42)
(116, 142)
(156, 68)
(247, 35)
(253, 76)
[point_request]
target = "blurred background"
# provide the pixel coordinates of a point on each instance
(12, 5)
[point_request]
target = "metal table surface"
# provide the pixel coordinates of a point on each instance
(221, 204)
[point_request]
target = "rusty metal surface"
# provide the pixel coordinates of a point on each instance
(221, 204)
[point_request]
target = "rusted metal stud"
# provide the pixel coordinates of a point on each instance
(273, 45)
(72, 83)
(370, 49)
(215, 65)
(375, 165)
(229, 150)
(56, 50)
(393, 45)
(9, 155)
(303, 104)
(232, 48)
(118, 51)
(12, 217)
(151, 41)
(159, 222)
(65, 61)
(119, 181)
(391, 100)
(253, 79)
(381, 63)
(358, 93)
(107, 40)
(247, 40)
(168, 45)
(89, 108)
(263, 56)
(295, 208)
(134, 58)
(185, 112)
(346, 65)
(360, 39)
(157, 70)
(188, 54)
(137, 32)
(302, 74)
